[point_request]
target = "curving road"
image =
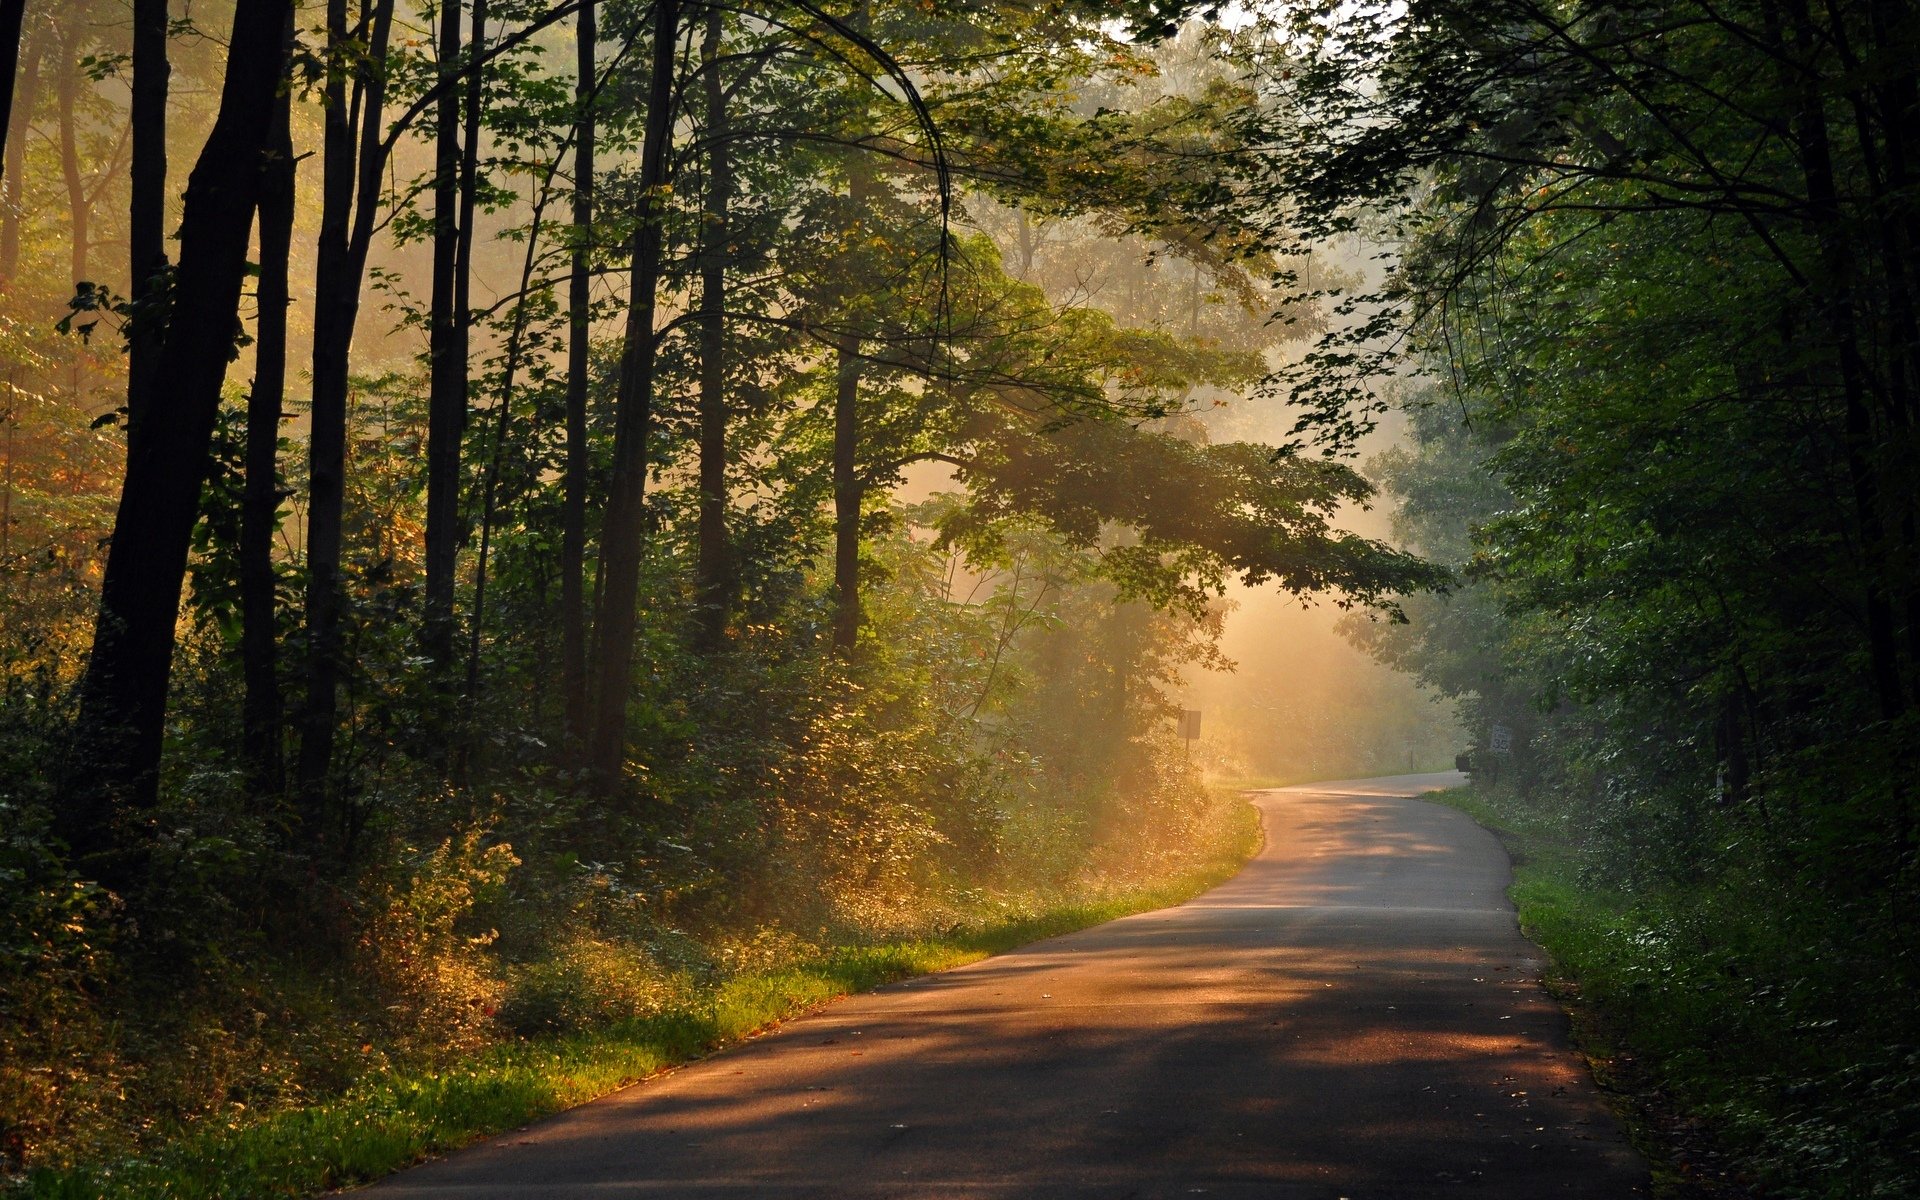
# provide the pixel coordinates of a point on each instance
(1354, 1015)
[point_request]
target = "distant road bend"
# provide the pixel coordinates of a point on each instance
(1354, 1015)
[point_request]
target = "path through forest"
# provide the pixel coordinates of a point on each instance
(1354, 1015)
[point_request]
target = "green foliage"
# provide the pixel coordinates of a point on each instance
(396, 1117)
(448, 924)
(1779, 1024)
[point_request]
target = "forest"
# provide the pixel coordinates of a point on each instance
(538, 537)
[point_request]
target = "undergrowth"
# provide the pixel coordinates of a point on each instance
(1762, 1038)
(399, 1114)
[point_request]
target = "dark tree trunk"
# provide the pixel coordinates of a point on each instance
(848, 490)
(79, 208)
(123, 694)
(1837, 304)
(624, 522)
(12, 14)
(350, 190)
(447, 388)
(503, 420)
(262, 711)
(714, 569)
(147, 199)
(573, 535)
(846, 494)
(12, 177)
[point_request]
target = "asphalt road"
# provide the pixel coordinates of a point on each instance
(1354, 1015)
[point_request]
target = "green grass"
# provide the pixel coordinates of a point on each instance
(1750, 1035)
(392, 1120)
(1583, 931)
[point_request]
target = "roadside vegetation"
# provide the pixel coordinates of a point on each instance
(674, 512)
(520, 516)
(613, 1018)
(1747, 1044)
(1664, 434)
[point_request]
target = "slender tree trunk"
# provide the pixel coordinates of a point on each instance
(123, 693)
(12, 177)
(848, 490)
(573, 535)
(1898, 101)
(447, 390)
(1838, 279)
(847, 494)
(713, 571)
(79, 209)
(262, 711)
(624, 522)
(350, 189)
(503, 420)
(147, 200)
(12, 14)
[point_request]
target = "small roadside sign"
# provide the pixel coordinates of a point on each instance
(1190, 723)
(1501, 740)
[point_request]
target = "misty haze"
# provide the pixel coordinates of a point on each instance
(937, 598)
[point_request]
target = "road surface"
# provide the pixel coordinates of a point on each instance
(1354, 1015)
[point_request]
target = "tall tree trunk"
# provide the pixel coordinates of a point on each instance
(147, 199)
(624, 522)
(123, 694)
(846, 494)
(13, 176)
(503, 420)
(848, 490)
(713, 571)
(12, 14)
(350, 190)
(1837, 305)
(472, 97)
(573, 536)
(79, 208)
(262, 711)
(447, 386)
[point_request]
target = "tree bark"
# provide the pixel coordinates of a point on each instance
(1837, 306)
(848, 490)
(503, 420)
(447, 388)
(262, 711)
(79, 209)
(147, 199)
(123, 693)
(12, 177)
(573, 536)
(350, 190)
(847, 494)
(12, 14)
(713, 572)
(624, 522)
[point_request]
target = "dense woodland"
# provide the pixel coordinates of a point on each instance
(519, 511)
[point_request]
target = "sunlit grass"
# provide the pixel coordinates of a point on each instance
(397, 1118)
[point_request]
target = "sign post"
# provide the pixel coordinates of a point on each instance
(1190, 727)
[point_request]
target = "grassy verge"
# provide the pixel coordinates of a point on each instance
(1750, 1036)
(1576, 926)
(394, 1119)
